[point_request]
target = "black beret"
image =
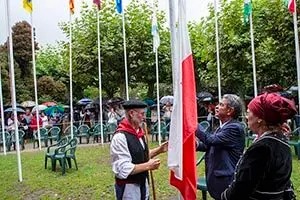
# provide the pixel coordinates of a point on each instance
(131, 104)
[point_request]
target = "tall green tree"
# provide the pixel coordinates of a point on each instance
(274, 47)
(141, 60)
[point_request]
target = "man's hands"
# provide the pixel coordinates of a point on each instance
(163, 147)
(153, 164)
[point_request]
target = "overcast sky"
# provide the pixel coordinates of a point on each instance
(48, 13)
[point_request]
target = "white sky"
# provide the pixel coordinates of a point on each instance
(48, 13)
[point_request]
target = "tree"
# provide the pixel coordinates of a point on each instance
(274, 47)
(141, 60)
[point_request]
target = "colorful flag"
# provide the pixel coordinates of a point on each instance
(119, 6)
(154, 32)
(290, 4)
(27, 5)
(71, 5)
(247, 10)
(181, 156)
(97, 3)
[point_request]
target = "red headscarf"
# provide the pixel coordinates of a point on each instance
(272, 108)
(126, 126)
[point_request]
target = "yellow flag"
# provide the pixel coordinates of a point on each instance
(71, 5)
(27, 5)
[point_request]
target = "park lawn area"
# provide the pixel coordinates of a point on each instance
(93, 180)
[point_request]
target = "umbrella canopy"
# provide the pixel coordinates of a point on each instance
(149, 101)
(54, 109)
(41, 107)
(19, 110)
(50, 103)
(104, 100)
(205, 96)
(115, 100)
(28, 104)
(90, 106)
(17, 105)
(166, 99)
(84, 101)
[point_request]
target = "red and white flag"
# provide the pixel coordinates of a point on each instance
(181, 152)
(290, 5)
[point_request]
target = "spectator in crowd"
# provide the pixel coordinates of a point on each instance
(44, 120)
(265, 169)
(28, 116)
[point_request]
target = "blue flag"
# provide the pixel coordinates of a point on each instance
(119, 6)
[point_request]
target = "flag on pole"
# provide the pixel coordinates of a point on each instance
(290, 4)
(71, 5)
(247, 10)
(97, 3)
(27, 5)
(154, 32)
(119, 6)
(181, 156)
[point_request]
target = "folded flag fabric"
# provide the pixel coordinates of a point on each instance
(27, 5)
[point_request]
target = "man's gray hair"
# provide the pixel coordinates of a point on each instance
(236, 103)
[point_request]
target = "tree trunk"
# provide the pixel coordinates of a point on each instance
(150, 90)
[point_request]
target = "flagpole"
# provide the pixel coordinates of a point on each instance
(157, 96)
(100, 80)
(34, 80)
(125, 54)
(217, 47)
(13, 91)
(173, 36)
(71, 79)
(297, 51)
(2, 115)
(253, 56)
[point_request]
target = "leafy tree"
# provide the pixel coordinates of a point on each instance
(274, 47)
(141, 60)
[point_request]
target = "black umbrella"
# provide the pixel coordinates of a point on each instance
(205, 96)
(19, 110)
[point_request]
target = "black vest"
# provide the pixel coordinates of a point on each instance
(139, 155)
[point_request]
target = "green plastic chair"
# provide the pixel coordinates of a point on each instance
(21, 139)
(70, 152)
(295, 141)
(64, 154)
(163, 130)
(51, 149)
(67, 131)
(83, 131)
(7, 140)
(201, 182)
(111, 128)
(96, 132)
(54, 134)
(43, 136)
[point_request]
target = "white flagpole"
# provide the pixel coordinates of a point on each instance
(253, 56)
(2, 115)
(297, 52)
(35, 82)
(172, 19)
(157, 96)
(217, 47)
(13, 91)
(100, 81)
(125, 54)
(71, 79)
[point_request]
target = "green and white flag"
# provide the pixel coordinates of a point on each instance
(247, 10)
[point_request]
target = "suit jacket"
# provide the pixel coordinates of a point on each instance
(223, 150)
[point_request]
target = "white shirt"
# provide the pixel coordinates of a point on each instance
(122, 166)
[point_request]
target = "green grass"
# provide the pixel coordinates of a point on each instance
(93, 180)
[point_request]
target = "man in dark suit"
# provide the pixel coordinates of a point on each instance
(224, 147)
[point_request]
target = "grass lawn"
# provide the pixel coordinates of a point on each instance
(93, 180)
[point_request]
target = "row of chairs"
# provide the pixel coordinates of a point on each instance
(63, 151)
(10, 139)
(54, 133)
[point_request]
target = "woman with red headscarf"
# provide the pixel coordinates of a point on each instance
(265, 169)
